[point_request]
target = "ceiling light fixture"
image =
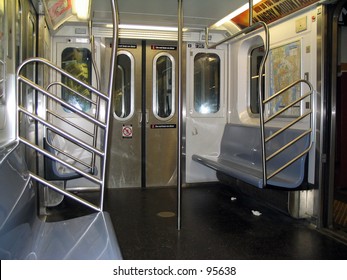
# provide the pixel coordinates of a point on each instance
(81, 8)
(234, 14)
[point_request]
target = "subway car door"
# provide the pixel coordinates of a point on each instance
(161, 126)
(74, 56)
(206, 108)
(124, 161)
(144, 130)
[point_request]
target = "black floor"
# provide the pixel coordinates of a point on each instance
(217, 224)
(214, 226)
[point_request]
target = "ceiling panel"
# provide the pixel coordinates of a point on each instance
(197, 13)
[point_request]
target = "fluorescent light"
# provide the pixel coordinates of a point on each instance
(147, 27)
(235, 13)
(81, 8)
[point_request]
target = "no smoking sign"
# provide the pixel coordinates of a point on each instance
(127, 131)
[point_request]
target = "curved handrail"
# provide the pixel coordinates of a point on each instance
(61, 101)
(3, 79)
(100, 180)
(59, 70)
(264, 140)
(115, 17)
(58, 83)
(95, 131)
(244, 31)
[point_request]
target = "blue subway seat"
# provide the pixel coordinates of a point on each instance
(240, 156)
(55, 171)
(23, 235)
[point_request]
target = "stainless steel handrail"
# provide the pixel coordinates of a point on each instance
(264, 140)
(3, 79)
(59, 100)
(95, 120)
(113, 64)
(58, 83)
(65, 193)
(60, 151)
(289, 144)
(61, 132)
(95, 130)
(70, 123)
(54, 157)
(244, 31)
(180, 24)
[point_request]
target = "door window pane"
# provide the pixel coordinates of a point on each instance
(164, 86)
(206, 83)
(77, 61)
(123, 95)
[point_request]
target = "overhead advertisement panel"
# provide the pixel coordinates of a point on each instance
(271, 10)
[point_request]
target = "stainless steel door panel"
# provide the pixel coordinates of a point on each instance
(143, 145)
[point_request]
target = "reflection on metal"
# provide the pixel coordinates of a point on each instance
(166, 214)
(180, 113)
(100, 121)
(21, 110)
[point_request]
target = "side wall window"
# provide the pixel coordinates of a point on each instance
(256, 57)
(206, 83)
(164, 86)
(77, 61)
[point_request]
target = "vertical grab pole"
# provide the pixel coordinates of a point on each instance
(262, 105)
(115, 17)
(179, 134)
(250, 12)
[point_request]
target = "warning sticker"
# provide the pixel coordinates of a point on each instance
(127, 131)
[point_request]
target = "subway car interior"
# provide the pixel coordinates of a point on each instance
(163, 129)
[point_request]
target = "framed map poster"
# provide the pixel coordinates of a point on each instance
(285, 68)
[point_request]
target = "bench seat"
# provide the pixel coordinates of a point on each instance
(240, 156)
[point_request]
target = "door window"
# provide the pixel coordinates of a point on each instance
(206, 83)
(77, 61)
(163, 86)
(123, 98)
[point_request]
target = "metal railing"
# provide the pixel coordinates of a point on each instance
(98, 122)
(263, 102)
(2, 80)
(92, 135)
(244, 31)
(309, 131)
